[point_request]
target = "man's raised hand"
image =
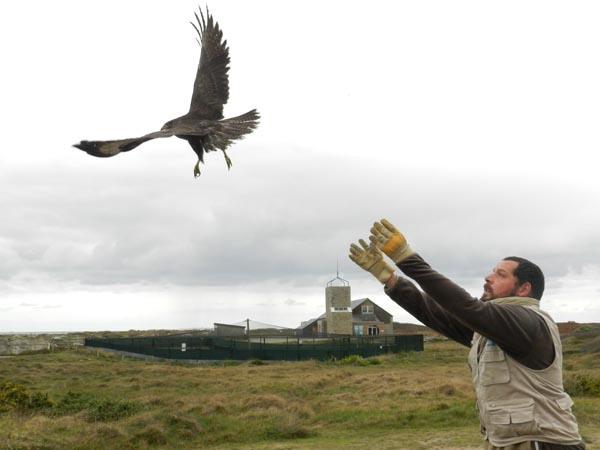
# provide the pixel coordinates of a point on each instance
(369, 258)
(387, 238)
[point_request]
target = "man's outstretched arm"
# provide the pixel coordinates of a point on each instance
(426, 310)
(516, 329)
(407, 295)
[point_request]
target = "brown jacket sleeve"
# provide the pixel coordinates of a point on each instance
(425, 309)
(450, 310)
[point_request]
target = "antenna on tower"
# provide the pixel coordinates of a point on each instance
(337, 276)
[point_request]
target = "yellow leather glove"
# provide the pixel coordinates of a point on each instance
(370, 259)
(386, 237)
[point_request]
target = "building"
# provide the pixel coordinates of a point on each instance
(225, 329)
(343, 316)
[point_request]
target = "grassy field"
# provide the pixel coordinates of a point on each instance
(95, 400)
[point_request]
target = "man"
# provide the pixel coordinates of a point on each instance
(516, 353)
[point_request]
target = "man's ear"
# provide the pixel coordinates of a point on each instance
(524, 290)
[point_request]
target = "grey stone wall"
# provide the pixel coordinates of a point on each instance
(15, 344)
(338, 322)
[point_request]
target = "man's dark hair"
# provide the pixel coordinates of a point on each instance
(527, 271)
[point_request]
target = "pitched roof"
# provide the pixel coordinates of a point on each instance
(311, 321)
(353, 305)
(356, 303)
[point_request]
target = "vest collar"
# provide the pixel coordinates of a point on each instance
(523, 301)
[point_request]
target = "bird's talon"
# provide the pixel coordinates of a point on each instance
(197, 169)
(227, 160)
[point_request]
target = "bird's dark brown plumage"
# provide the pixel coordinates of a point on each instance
(203, 126)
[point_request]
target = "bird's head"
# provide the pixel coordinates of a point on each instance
(167, 126)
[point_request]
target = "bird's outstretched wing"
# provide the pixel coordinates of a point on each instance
(211, 87)
(104, 149)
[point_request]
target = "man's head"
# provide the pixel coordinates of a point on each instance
(514, 277)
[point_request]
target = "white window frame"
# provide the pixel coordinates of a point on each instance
(368, 309)
(376, 330)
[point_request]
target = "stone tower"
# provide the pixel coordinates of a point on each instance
(338, 309)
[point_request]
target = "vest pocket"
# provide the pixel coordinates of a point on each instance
(493, 368)
(565, 403)
(512, 418)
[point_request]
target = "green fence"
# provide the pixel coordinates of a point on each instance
(265, 348)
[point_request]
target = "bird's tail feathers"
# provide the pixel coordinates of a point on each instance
(238, 126)
(228, 130)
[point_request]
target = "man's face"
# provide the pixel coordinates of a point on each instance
(501, 282)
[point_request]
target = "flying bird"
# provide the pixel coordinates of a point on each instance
(203, 126)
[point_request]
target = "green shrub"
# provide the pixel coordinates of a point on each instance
(256, 362)
(581, 384)
(16, 396)
(72, 403)
(40, 400)
(13, 396)
(108, 410)
(98, 410)
(357, 360)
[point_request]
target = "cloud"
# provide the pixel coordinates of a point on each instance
(275, 221)
(292, 302)
(35, 306)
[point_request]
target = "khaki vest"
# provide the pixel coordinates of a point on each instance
(518, 404)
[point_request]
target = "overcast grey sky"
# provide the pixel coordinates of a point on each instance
(472, 126)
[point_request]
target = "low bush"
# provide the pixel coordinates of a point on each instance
(581, 384)
(357, 360)
(109, 410)
(15, 396)
(97, 409)
(72, 403)
(256, 362)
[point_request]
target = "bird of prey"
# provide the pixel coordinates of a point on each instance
(203, 126)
